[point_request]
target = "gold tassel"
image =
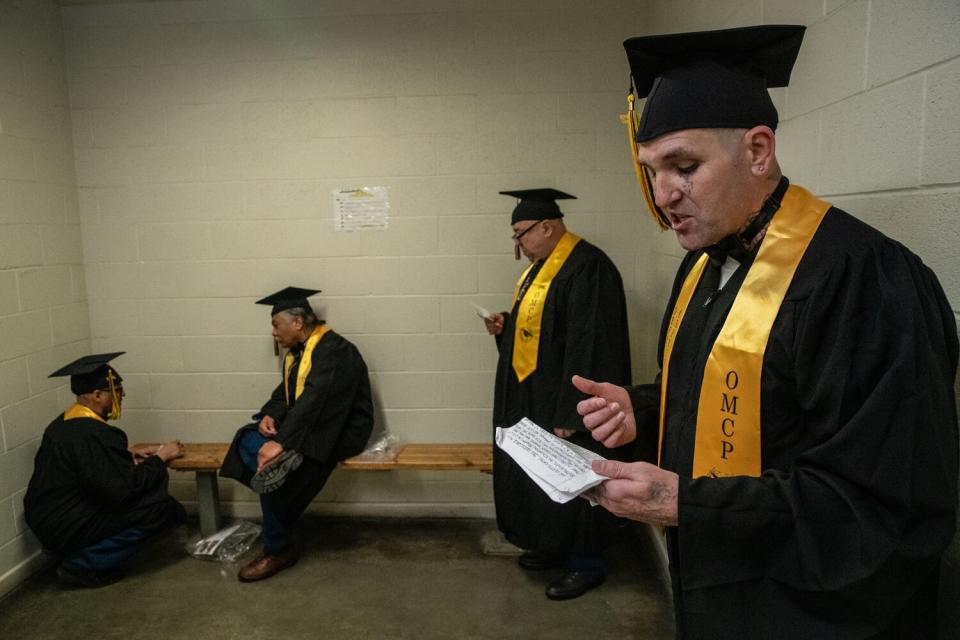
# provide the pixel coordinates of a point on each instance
(114, 398)
(632, 120)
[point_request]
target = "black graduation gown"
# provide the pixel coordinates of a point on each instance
(85, 487)
(842, 534)
(330, 421)
(583, 331)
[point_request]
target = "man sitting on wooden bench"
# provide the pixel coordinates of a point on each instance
(319, 414)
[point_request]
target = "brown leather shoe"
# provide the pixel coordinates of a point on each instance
(267, 564)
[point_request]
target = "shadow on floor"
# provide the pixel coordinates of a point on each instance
(357, 579)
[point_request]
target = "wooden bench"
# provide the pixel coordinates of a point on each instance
(205, 458)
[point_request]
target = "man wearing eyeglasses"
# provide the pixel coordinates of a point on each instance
(568, 312)
(92, 499)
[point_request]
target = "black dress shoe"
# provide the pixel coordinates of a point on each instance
(574, 584)
(540, 560)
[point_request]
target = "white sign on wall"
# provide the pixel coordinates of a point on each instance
(361, 209)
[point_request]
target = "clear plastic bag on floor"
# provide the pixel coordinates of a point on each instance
(226, 545)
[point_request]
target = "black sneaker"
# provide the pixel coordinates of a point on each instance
(76, 576)
(273, 476)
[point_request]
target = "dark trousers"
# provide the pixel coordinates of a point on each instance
(282, 508)
(109, 553)
(113, 551)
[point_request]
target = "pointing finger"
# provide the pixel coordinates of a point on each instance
(586, 385)
(590, 405)
(602, 415)
(610, 432)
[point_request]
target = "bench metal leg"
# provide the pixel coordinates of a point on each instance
(208, 502)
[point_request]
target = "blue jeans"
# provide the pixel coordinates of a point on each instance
(110, 553)
(276, 535)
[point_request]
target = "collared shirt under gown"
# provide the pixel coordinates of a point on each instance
(841, 535)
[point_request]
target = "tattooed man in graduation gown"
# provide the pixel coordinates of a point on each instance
(319, 414)
(804, 417)
(568, 315)
(92, 499)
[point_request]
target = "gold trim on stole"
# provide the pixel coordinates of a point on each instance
(80, 411)
(306, 362)
(526, 337)
(728, 414)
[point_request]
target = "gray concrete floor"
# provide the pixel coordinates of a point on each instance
(356, 579)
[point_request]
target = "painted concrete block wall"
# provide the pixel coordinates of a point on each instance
(208, 137)
(869, 109)
(44, 321)
(870, 123)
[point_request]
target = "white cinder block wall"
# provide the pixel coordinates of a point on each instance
(870, 122)
(209, 136)
(43, 311)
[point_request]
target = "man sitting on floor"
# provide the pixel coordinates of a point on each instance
(319, 414)
(92, 500)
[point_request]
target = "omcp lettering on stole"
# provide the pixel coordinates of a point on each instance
(728, 412)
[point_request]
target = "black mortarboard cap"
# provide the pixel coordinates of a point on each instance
(711, 79)
(537, 204)
(288, 298)
(90, 373)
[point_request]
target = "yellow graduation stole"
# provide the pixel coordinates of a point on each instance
(80, 411)
(526, 338)
(305, 363)
(728, 415)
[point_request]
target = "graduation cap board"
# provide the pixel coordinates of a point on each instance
(537, 204)
(288, 298)
(90, 373)
(706, 79)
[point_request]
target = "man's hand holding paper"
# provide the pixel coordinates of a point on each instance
(636, 490)
(562, 469)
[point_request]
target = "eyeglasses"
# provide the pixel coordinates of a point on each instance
(118, 389)
(517, 236)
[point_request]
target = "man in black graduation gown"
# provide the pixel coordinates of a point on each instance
(92, 500)
(319, 414)
(568, 315)
(807, 436)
